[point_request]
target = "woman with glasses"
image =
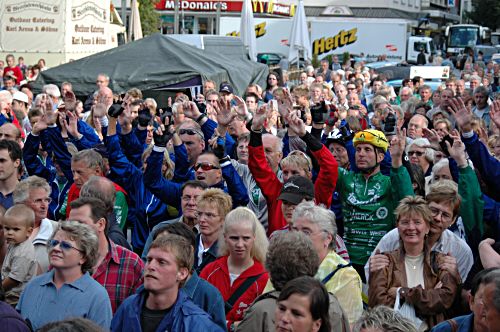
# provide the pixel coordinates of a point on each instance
(239, 274)
(420, 152)
(68, 290)
(213, 206)
(35, 192)
(413, 272)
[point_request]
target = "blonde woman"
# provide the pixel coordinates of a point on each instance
(239, 273)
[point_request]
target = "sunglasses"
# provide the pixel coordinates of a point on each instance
(418, 153)
(190, 132)
(66, 246)
(205, 166)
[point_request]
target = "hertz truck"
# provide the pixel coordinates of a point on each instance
(373, 38)
(58, 30)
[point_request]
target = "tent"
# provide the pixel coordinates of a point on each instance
(154, 63)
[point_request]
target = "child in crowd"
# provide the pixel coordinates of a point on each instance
(19, 265)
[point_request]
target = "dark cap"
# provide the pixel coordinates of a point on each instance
(225, 87)
(296, 189)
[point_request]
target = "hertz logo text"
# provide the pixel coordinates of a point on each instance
(343, 38)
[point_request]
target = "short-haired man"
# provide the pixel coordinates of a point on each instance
(485, 314)
(368, 209)
(416, 125)
(425, 93)
(190, 192)
(163, 305)
(118, 269)
(85, 164)
(10, 163)
(482, 109)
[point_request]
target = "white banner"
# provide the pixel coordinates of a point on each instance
(88, 26)
(430, 72)
(41, 22)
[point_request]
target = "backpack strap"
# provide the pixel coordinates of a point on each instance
(228, 305)
(454, 325)
(331, 274)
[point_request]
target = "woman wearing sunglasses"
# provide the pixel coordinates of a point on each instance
(67, 290)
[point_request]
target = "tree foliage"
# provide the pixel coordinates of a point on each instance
(150, 18)
(486, 13)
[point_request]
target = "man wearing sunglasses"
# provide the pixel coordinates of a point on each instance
(206, 168)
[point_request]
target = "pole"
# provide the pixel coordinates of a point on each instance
(217, 19)
(123, 10)
(176, 17)
(462, 2)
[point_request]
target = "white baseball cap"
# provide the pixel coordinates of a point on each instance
(20, 96)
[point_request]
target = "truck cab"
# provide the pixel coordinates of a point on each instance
(415, 44)
(460, 36)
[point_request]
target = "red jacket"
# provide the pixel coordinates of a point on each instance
(16, 71)
(217, 274)
(271, 186)
(74, 193)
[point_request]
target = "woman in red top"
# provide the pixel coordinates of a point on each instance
(240, 269)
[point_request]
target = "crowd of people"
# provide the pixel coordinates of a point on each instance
(327, 203)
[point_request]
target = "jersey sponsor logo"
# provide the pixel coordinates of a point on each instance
(382, 212)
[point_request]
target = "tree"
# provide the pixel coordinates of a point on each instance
(150, 19)
(486, 13)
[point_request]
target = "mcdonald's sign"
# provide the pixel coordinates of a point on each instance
(259, 6)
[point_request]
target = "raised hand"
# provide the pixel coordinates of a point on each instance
(285, 103)
(40, 125)
(457, 150)
(463, 116)
(397, 147)
(162, 135)
(190, 110)
(241, 107)
(224, 113)
(101, 105)
(69, 99)
(72, 124)
(296, 124)
(260, 117)
(432, 135)
(495, 112)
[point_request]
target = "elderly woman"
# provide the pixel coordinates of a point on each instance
(67, 290)
(413, 271)
(239, 274)
(335, 273)
(420, 152)
(213, 206)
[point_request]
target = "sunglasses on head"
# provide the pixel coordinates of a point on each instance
(205, 166)
(189, 132)
(63, 245)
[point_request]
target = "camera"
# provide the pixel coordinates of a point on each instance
(319, 112)
(390, 124)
